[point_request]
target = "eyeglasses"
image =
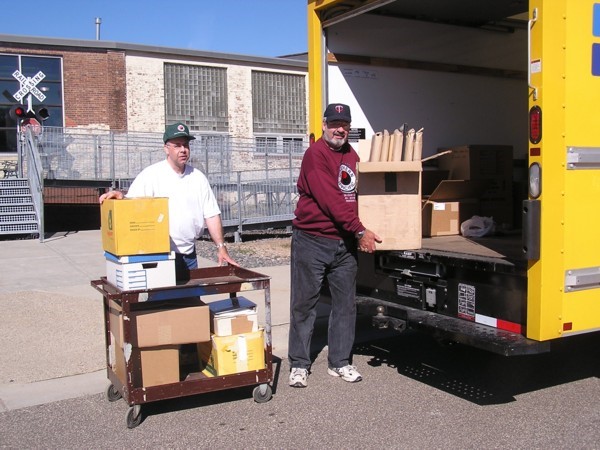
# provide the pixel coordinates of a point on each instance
(178, 145)
(338, 124)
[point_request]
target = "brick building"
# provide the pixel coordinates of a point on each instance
(257, 104)
(119, 86)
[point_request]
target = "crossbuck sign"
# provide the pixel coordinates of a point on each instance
(28, 85)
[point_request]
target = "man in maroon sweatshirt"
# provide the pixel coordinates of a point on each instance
(327, 234)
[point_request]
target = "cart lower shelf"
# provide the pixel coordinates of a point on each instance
(203, 282)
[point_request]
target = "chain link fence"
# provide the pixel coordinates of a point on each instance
(253, 185)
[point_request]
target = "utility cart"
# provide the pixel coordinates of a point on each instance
(203, 283)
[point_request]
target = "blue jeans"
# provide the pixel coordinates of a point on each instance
(183, 265)
(313, 260)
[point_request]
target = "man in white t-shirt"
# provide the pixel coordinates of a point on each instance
(192, 204)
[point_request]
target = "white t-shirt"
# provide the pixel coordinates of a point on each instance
(191, 200)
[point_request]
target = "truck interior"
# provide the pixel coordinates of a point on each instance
(459, 70)
(470, 13)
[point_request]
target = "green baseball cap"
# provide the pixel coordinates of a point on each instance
(178, 129)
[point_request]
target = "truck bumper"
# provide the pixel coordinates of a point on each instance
(399, 317)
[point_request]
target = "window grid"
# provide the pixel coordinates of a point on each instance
(197, 96)
(278, 103)
(284, 145)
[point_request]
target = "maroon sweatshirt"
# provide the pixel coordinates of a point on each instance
(327, 186)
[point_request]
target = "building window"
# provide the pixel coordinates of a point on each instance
(48, 92)
(279, 145)
(293, 145)
(197, 96)
(266, 144)
(278, 103)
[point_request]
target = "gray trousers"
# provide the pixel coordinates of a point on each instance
(316, 259)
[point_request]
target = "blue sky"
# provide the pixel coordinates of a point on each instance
(251, 27)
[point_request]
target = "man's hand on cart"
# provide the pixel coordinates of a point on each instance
(224, 257)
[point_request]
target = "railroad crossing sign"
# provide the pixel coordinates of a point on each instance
(28, 85)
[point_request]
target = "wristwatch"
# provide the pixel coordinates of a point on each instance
(360, 234)
(221, 244)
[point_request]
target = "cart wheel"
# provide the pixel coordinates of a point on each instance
(262, 393)
(112, 394)
(134, 416)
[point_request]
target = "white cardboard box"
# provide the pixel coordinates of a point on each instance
(134, 272)
(233, 316)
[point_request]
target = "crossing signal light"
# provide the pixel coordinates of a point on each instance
(20, 113)
(42, 113)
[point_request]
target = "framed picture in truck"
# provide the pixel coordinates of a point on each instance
(511, 88)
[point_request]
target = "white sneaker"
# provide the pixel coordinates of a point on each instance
(348, 373)
(298, 377)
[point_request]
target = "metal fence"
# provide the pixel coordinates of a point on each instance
(254, 187)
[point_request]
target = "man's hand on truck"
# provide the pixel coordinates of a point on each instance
(368, 242)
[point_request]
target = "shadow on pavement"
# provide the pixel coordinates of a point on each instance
(482, 377)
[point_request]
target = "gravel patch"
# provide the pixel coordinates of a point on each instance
(257, 249)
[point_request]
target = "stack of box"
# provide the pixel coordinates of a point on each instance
(158, 332)
(135, 238)
(491, 165)
(237, 343)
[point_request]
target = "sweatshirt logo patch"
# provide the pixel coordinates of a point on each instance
(346, 179)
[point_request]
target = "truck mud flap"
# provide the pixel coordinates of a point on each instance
(392, 315)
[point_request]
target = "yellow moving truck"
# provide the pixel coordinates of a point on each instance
(479, 74)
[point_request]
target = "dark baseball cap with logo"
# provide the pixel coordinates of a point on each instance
(176, 130)
(337, 111)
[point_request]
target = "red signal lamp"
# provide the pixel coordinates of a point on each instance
(18, 112)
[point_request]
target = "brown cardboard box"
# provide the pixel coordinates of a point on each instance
(450, 204)
(166, 325)
(389, 202)
(157, 365)
(116, 357)
(135, 226)
(492, 163)
(431, 178)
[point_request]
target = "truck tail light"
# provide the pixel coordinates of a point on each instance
(535, 180)
(535, 124)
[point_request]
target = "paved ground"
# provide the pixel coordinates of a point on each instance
(51, 325)
(415, 394)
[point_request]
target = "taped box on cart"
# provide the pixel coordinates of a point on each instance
(135, 272)
(170, 322)
(234, 315)
(135, 226)
(116, 355)
(158, 365)
(226, 355)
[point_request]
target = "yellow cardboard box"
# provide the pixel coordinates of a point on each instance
(135, 226)
(226, 355)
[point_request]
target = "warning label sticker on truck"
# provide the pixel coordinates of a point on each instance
(466, 301)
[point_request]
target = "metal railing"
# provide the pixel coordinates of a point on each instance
(31, 168)
(254, 187)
